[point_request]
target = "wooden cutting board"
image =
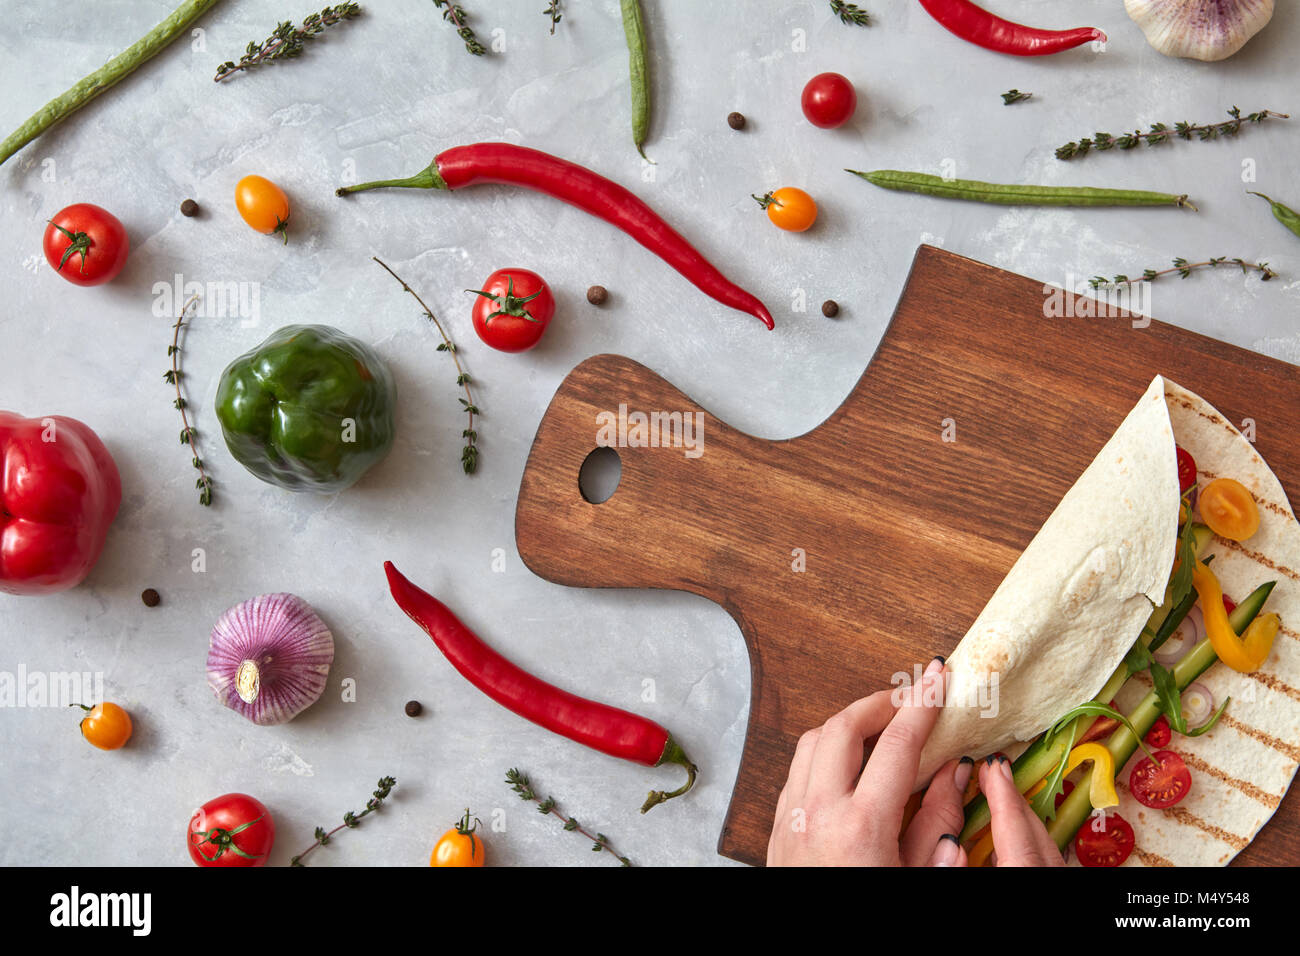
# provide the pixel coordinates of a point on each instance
(904, 535)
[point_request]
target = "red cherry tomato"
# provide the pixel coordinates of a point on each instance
(1162, 782)
(85, 244)
(1186, 470)
(1108, 845)
(828, 100)
(513, 309)
(1229, 604)
(231, 830)
(1160, 733)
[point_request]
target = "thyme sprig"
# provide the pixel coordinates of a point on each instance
(468, 454)
(1184, 269)
(1163, 133)
(350, 820)
(521, 785)
(553, 11)
(455, 14)
(851, 13)
(173, 377)
(1014, 96)
(285, 42)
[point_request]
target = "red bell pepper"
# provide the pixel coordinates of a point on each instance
(59, 492)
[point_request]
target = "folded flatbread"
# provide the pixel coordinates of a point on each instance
(1075, 601)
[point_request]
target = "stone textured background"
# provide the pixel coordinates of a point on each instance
(379, 98)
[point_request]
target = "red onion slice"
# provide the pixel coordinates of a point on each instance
(1187, 636)
(1198, 704)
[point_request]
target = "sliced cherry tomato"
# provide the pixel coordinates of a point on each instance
(85, 244)
(1066, 789)
(1227, 506)
(263, 205)
(1162, 782)
(1104, 841)
(231, 830)
(1186, 470)
(789, 208)
(1229, 604)
(829, 100)
(106, 726)
(459, 846)
(513, 309)
(1160, 733)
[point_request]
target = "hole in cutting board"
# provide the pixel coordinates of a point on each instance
(599, 475)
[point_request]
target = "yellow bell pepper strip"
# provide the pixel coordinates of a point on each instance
(1101, 788)
(1246, 653)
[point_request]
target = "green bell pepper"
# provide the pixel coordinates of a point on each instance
(310, 409)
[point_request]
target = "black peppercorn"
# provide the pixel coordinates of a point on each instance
(830, 308)
(413, 708)
(189, 208)
(597, 295)
(150, 597)
(736, 120)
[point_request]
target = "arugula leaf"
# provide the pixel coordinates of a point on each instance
(1094, 709)
(1180, 585)
(1044, 802)
(1209, 724)
(1138, 658)
(1166, 688)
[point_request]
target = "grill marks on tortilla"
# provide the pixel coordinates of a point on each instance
(1244, 786)
(1150, 859)
(1258, 558)
(1268, 740)
(1187, 818)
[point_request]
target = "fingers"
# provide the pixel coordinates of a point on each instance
(941, 812)
(796, 784)
(1019, 837)
(837, 757)
(891, 770)
(948, 853)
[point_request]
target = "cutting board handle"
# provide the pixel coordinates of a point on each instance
(654, 531)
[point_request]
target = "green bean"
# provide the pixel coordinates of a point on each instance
(1283, 214)
(634, 28)
(1013, 195)
(110, 73)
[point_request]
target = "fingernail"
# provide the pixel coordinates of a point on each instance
(934, 666)
(961, 776)
(1005, 764)
(990, 758)
(945, 854)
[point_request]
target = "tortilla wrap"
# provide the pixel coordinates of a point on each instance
(1070, 608)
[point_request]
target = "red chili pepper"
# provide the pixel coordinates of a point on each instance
(607, 729)
(520, 166)
(976, 25)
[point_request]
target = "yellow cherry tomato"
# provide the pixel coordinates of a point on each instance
(263, 205)
(459, 846)
(1227, 507)
(790, 209)
(106, 726)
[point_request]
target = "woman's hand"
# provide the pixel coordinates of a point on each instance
(834, 812)
(1019, 837)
